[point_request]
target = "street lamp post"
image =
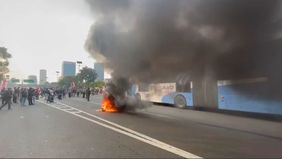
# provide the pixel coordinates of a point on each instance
(57, 72)
(79, 63)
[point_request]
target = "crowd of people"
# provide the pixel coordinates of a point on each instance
(27, 96)
(84, 92)
(20, 95)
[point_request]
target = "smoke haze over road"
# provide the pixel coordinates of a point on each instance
(160, 40)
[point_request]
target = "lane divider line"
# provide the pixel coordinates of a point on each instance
(126, 131)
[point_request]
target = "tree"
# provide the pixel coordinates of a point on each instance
(86, 76)
(66, 81)
(4, 56)
(98, 84)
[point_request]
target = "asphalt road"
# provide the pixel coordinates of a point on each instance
(73, 128)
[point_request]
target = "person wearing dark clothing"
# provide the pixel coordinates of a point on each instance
(88, 92)
(64, 93)
(60, 94)
(29, 96)
(23, 96)
(18, 92)
(83, 93)
(7, 96)
(2, 95)
(69, 94)
(77, 93)
(15, 96)
(50, 97)
(37, 93)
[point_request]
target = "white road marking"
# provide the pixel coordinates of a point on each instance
(128, 132)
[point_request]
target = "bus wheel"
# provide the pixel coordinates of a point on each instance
(180, 101)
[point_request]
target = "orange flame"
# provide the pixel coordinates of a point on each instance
(108, 105)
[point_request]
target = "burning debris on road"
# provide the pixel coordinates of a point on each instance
(115, 95)
(108, 104)
(118, 99)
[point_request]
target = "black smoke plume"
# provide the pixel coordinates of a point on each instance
(158, 40)
(119, 87)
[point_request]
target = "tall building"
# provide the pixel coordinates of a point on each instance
(99, 68)
(42, 77)
(68, 68)
(33, 77)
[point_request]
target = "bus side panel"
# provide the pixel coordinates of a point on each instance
(169, 99)
(188, 97)
(232, 98)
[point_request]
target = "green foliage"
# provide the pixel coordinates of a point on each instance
(86, 76)
(66, 81)
(4, 56)
(99, 84)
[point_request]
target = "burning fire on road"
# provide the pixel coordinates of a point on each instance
(117, 98)
(108, 104)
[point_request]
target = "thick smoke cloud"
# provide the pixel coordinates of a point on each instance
(160, 40)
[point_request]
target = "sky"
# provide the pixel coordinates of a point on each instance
(40, 34)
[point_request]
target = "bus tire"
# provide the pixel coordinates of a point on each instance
(180, 101)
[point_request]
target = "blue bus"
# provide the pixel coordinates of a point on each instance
(230, 96)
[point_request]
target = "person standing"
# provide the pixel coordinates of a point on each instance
(20, 95)
(37, 93)
(77, 92)
(70, 92)
(15, 95)
(83, 93)
(29, 96)
(64, 93)
(88, 92)
(2, 95)
(23, 96)
(7, 96)
(18, 92)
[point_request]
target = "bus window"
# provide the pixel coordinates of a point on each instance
(143, 87)
(183, 87)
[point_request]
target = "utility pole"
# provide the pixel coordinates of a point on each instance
(78, 63)
(57, 72)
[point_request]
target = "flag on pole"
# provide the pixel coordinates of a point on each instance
(1, 86)
(4, 84)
